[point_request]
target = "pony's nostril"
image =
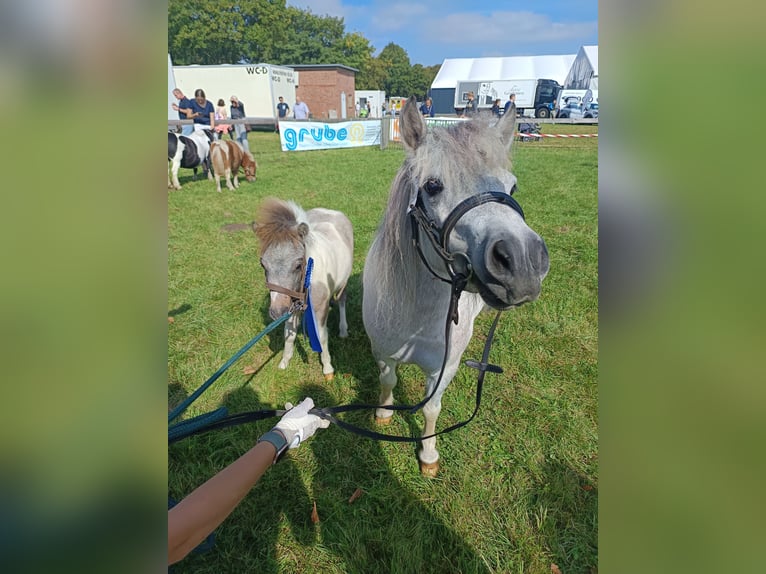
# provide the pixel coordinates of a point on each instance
(501, 254)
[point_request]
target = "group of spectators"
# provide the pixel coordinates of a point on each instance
(202, 112)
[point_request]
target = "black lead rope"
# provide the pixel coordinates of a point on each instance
(458, 280)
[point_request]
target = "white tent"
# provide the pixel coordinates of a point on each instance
(454, 70)
(584, 72)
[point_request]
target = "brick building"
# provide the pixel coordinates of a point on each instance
(327, 89)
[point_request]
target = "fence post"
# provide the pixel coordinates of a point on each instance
(385, 122)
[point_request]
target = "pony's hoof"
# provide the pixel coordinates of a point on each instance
(329, 377)
(429, 469)
(383, 421)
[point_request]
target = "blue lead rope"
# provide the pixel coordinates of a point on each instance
(195, 395)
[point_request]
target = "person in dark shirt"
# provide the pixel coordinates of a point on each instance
(203, 111)
(470, 106)
(183, 107)
(496, 108)
(427, 109)
(511, 100)
(282, 109)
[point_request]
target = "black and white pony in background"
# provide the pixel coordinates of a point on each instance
(190, 151)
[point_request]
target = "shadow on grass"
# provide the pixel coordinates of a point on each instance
(388, 529)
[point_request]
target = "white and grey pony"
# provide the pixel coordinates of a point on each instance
(503, 261)
(288, 236)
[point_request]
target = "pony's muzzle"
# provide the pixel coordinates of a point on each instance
(517, 267)
(279, 305)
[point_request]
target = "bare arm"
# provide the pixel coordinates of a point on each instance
(197, 515)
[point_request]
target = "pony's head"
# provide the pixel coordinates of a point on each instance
(248, 165)
(282, 228)
(445, 167)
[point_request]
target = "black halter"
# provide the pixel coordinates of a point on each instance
(458, 264)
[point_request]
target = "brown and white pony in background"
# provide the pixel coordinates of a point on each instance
(227, 157)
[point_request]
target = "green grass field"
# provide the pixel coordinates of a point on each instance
(518, 487)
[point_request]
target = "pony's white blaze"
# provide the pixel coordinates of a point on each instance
(288, 236)
(404, 305)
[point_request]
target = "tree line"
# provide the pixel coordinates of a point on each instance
(209, 32)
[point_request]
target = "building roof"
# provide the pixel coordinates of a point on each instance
(454, 70)
(321, 67)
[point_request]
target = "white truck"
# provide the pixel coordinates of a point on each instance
(533, 97)
(258, 86)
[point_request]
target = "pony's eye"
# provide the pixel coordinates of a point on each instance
(514, 189)
(433, 186)
(298, 265)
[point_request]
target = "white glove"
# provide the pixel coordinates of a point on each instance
(297, 424)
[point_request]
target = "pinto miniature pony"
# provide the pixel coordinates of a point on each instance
(288, 236)
(227, 157)
(456, 180)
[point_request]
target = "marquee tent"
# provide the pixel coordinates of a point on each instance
(583, 74)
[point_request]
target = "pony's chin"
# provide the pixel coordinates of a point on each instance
(497, 303)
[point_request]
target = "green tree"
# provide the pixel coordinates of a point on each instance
(213, 32)
(398, 81)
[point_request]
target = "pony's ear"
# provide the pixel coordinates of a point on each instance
(507, 126)
(303, 229)
(411, 125)
(254, 226)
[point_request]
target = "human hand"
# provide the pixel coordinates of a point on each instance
(298, 424)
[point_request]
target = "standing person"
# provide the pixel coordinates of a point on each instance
(183, 107)
(496, 108)
(369, 110)
(221, 127)
(427, 109)
(203, 112)
(240, 129)
(511, 100)
(300, 109)
(358, 109)
(197, 515)
(282, 110)
(470, 106)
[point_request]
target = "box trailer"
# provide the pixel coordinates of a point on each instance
(258, 86)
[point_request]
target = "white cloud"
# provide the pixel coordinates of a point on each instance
(392, 17)
(502, 29)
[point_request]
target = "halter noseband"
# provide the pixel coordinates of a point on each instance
(298, 298)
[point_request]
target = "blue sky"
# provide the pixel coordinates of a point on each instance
(432, 30)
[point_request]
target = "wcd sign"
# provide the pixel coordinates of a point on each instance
(257, 70)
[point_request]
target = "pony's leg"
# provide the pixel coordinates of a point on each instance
(387, 379)
(327, 369)
(236, 180)
(228, 178)
(428, 455)
(343, 327)
(174, 170)
(217, 182)
(291, 329)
